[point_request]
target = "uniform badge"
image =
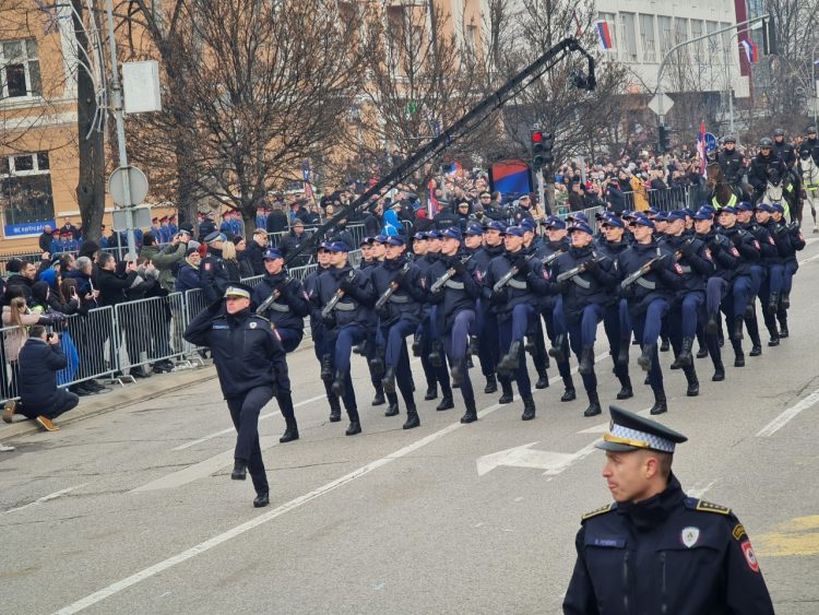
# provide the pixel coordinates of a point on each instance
(253, 325)
(750, 557)
(771, 240)
(756, 245)
(678, 269)
(738, 532)
(207, 266)
(707, 253)
(734, 251)
(690, 536)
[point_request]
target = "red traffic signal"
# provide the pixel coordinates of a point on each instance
(537, 136)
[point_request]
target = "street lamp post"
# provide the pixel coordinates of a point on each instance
(815, 85)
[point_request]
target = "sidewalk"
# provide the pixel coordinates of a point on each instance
(118, 397)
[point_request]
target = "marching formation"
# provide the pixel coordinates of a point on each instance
(684, 280)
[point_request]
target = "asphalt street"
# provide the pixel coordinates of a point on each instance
(133, 511)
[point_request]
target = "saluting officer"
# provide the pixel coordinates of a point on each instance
(250, 363)
(453, 291)
(649, 282)
(656, 550)
(346, 298)
(398, 279)
(213, 275)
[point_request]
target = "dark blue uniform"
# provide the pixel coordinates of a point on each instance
(486, 324)
(789, 242)
(427, 344)
(319, 334)
(739, 296)
(668, 554)
(616, 322)
(288, 311)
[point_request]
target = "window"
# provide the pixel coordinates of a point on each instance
(713, 42)
(25, 191)
(696, 30)
(611, 20)
(629, 51)
(648, 38)
(19, 69)
(666, 38)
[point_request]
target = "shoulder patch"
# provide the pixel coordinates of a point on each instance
(599, 511)
(710, 507)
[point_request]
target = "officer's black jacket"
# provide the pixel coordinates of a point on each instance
(213, 276)
(789, 239)
(660, 283)
(519, 289)
(731, 165)
(748, 246)
(723, 252)
(786, 152)
(668, 554)
(245, 350)
(761, 169)
(360, 295)
(810, 147)
(480, 260)
(406, 302)
(459, 293)
(694, 262)
(767, 246)
(613, 251)
(311, 288)
(289, 310)
(593, 286)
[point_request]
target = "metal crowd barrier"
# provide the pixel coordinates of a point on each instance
(667, 199)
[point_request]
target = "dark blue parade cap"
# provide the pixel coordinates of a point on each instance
(474, 229)
(631, 432)
(272, 254)
(641, 220)
(581, 227)
(395, 240)
(554, 222)
(452, 233)
(514, 230)
(612, 220)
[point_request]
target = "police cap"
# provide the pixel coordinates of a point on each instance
(778, 207)
(496, 225)
(728, 210)
(744, 206)
(779, 132)
(527, 224)
(631, 432)
(474, 230)
(395, 240)
(581, 227)
(765, 142)
(811, 130)
(729, 139)
(642, 220)
(337, 246)
(612, 220)
(272, 254)
(553, 222)
(764, 207)
(673, 216)
(214, 237)
(517, 231)
(451, 233)
(237, 289)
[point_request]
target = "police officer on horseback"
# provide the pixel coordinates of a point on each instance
(732, 163)
(766, 167)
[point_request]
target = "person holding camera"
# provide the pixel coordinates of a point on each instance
(40, 400)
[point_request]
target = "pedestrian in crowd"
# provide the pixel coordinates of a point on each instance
(251, 366)
(188, 277)
(44, 241)
(39, 361)
(166, 259)
(255, 251)
(292, 242)
(230, 260)
(245, 266)
(655, 549)
(277, 220)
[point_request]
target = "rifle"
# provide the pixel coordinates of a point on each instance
(447, 276)
(504, 280)
(553, 257)
(679, 253)
(633, 277)
(392, 287)
(331, 304)
(265, 305)
(575, 271)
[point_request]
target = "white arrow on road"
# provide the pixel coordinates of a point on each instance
(525, 456)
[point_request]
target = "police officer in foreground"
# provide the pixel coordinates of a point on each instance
(654, 549)
(251, 367)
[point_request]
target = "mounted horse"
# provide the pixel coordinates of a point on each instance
(720, 192)
(776, 192)
(810, 183)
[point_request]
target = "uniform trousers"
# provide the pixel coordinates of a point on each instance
(619, 338)
(290, 338)
(521, 375)
(582, 334)
(244, 411)
(486, 328)
(455, 347)
(647, 326)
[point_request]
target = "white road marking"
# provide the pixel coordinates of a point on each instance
(223, 432)
(45, 498)
(780, 421)
(809, 259)
(525, 456)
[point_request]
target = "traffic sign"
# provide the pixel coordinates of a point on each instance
(137, 182)
(710, 142)
(654, 103)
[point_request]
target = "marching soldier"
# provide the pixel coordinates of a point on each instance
(649, 282)
(789, 241)
(771, 288)
(453, 292)
(654, 549)
(481, 252)
(399, 285)
(509, 291)
(286, 305)
(346, 298)
(251, 366)
(372, 255)
(585, 279)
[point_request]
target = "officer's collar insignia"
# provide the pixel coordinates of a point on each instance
(689, 536)
(254, 324)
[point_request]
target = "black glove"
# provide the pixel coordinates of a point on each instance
(522, 264)
(329, 320)
(499, 297)
(347, 286)
(591, 265)
(458, 267)
(397, 279)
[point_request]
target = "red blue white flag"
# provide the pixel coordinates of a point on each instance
(603, 34)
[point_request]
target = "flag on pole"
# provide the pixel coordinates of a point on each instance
(751, 51)
(603, 34)
(701, 147)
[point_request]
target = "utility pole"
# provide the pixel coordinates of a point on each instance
(116, 99)
(815, 85)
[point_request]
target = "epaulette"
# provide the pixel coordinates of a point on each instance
(599, 511)
(259, 316)
(704, 506)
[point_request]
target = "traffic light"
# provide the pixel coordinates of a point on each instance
(542, 144)
(663, 145)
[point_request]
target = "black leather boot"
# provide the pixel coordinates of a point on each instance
(432, 393)
(491, 384)
(262, 499)
(435, 355)
(291, 431)
(569, 394)
(622, 355)
(557, 352)
(506, 392)
(335, 409)
(693, 383)
(664, 345)
(646, 357)
(377, 365)
(392, 405)
(739, 359)
(774, 341)
(528, 408)
(702, 352)
(737, 332)
(389, 380)
(785, 301)
(447, 403)
(660, 406)
(378, 400)
(456, 374)
(355, 423)
(594, 405)
(542, 379)
(719, 373)
(413, 420)
(684, 359)
(326, 368)
(586, 366)
(473, 348)
(471, 414)
(239, 470)
(509, 363)
(626, 391)
(773, 303)
(417, 344)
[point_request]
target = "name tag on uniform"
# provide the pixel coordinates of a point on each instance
(220, 326)
(615, 543)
